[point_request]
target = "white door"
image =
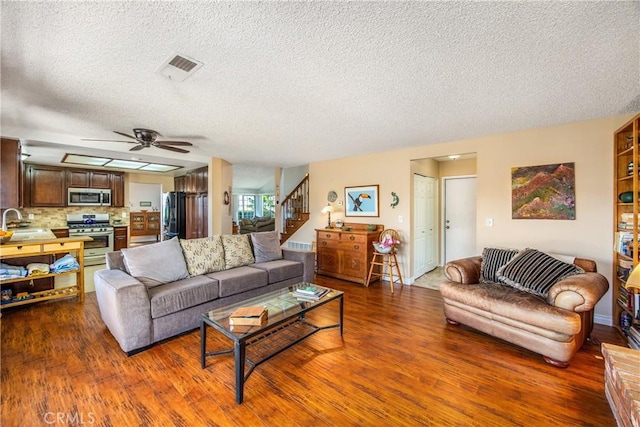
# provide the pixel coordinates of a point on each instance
(424, 207)
(459, 217)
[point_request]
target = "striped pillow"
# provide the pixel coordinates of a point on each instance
(535, 272)
(492, 260)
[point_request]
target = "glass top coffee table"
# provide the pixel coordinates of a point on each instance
(286, 325)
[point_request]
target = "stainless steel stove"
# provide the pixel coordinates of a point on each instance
(98, 228)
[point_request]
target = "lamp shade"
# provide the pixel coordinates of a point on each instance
(633, 281)
(327, 209)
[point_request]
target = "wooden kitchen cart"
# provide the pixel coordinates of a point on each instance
(24, 249)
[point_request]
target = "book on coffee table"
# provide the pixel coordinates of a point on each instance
(248, 316)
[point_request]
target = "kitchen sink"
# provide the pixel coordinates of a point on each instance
(32, 234)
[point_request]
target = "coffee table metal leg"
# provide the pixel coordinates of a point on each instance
(239, 352)
(341, 313)
(203, 342)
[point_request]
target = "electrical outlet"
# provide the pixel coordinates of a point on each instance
(488, 222)
(31, 216)
(124, 214)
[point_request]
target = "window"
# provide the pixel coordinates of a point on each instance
(269, 205)
(246, 206)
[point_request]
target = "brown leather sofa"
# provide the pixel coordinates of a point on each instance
(555, 328)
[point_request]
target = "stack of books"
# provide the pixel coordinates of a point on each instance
(249, 316)
(310, 292)
(633, 337)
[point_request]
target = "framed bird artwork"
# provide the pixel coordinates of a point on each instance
(362, 201)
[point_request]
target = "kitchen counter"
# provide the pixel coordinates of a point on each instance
(43, 240)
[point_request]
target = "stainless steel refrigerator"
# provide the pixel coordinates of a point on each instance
(174, 215)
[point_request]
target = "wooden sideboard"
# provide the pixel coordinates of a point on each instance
(346, 254)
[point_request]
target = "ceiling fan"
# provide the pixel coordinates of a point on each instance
(147, 138)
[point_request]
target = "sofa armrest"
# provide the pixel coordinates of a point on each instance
(307, 258)
(125, 308)
(580, 292)
(465, 270)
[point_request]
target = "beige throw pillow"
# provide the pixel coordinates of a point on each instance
(204, 255)
(237, 250)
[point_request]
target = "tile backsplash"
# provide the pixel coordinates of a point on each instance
(57, 217)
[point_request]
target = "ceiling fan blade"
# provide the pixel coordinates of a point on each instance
(174, 143)
(107, 140)
(124, 134)
(137, 148)
(177, 150)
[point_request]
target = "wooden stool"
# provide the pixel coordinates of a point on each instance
(385, 260)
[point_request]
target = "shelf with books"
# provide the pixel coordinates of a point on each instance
(626, 247)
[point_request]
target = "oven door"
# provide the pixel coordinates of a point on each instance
(95, 250)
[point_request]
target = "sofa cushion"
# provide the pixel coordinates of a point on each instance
(535, 272)
(157, 263)
(182, 294)
(281, 269)
(237, 250)
(266, 246)
(204, 255)
(239, 279)
(492, 260)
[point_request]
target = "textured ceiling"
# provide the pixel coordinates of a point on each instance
(288, 83)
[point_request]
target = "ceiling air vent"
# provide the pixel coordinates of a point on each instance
(179, 67)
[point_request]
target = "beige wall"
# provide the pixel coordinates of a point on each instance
(587, 144)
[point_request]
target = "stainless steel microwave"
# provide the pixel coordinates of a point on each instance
(89, 197)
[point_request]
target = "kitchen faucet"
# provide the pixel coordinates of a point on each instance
(4, 217)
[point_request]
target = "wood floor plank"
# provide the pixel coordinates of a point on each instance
(398, 363)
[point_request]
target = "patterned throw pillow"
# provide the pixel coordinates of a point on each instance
(492, 260)
(535, 272)
(237, 250)
(204, 255)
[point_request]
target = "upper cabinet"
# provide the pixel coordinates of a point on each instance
(117, 189)
(10, 174)
(77, 178)
(195, 181)
(45, 186)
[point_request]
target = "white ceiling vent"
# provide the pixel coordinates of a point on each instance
(179, 67)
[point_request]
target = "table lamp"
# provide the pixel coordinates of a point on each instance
(633, 281)
(328, 209)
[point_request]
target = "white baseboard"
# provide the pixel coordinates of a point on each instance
(602, 320)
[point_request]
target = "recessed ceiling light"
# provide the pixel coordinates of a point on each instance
(454, 156)
(79, 159)
(125, 164)
(117, 163)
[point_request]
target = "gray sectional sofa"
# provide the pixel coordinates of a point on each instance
(153, 292)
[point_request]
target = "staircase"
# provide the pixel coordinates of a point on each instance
(295, 210)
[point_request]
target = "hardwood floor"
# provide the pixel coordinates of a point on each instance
(398, 363)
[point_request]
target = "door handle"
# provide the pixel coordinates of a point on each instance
(447, 227)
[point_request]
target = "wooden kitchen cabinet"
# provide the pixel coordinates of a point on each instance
(120, 239)
(180, 183)
(10, 173)
(145, 224)
(117, 189)
(80, 178)
(346, 255)
(45, 186)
